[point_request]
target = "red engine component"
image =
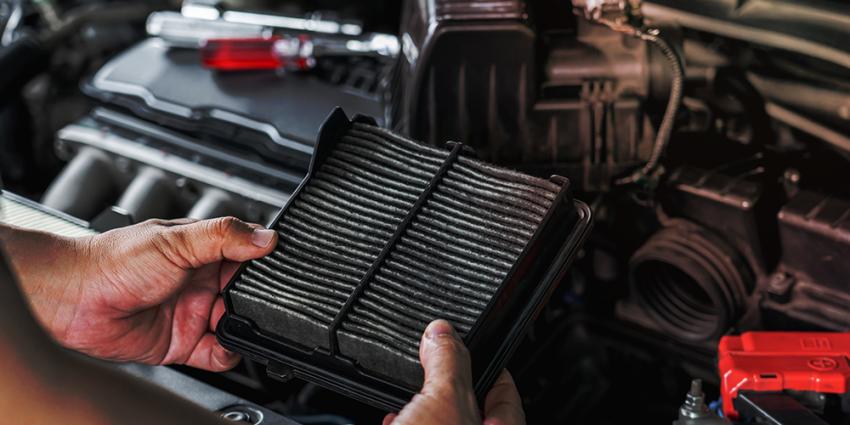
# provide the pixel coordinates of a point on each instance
(254, 54)
(776, 361)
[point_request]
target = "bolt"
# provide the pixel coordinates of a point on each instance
(779, 287)
(694, 406)
(244, 414)
(236, 416)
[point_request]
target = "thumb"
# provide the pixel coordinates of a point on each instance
(446, 362)
(446, 396)
(203, 242)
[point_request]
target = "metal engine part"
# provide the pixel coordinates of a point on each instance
(145, 172)
(583, 113)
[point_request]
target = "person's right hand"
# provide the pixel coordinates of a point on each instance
(447, 397)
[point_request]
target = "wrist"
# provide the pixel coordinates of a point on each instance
(49, 272)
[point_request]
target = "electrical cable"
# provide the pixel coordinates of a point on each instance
(626, 18)
(662, 137)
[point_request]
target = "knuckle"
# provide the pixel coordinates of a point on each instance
(175, 245)
(153, 223)
(224, 226)
(450, 345)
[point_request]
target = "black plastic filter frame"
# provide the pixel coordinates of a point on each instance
(492, 339)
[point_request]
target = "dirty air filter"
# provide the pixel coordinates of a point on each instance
(385, 235)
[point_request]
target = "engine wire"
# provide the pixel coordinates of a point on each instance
(662, 137)
(629, 20)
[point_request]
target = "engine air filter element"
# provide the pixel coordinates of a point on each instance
(385, 235)
(22, 212)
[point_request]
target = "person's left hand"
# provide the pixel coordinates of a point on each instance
(147, 293)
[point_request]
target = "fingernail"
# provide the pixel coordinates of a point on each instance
(262, 237)
(439, 328)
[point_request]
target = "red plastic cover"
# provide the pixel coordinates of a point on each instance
(776, 361)
(243, 54)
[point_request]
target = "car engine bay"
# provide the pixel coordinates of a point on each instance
(708, 137)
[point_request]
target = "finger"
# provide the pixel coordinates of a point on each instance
(446, 362)
(216, 313)
(389, 419)
(208, 241)
(209, 355)
(503, 405)
(170, 223)
(228, 269)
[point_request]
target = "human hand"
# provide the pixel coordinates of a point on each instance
(147, 293)
(447, 396)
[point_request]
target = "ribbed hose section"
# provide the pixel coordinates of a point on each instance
(450, 261)
(332, 233)
(692, 283)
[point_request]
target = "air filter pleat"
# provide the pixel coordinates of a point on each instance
(387, 159)
(309, 211)
(367, 182)
(444, 288)
(287, 303)
(389, 314)
(471, 262)
(275, 293)
(371, 333)
(419, 310)
(318, 244)
(341, 273)
(380, 204)
(438, 302)
(475, 282)
(408, 158)
(510, 215)
(447, 202)
(399, 336)
(522, 192)
(379, 178)
(510, 198)
(460, 244)
(468, 231)
(463, 220)
(389, 173)
(357, 240)
(286, 275)
(397, 140)
(333, 238)
(425, 153)
(358, 206)
(375, 192)
(406, 330)
(480, 279)
(507, 178)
